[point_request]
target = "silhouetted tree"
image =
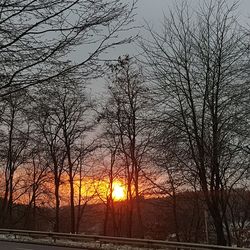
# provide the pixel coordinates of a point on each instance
(126, 119)
(15, 130)
(38, 38)
(200, 64)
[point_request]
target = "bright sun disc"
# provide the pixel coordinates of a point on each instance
(118, 192)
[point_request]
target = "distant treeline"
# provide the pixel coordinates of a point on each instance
(189, 219)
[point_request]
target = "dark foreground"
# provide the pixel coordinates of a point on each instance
(24, 246)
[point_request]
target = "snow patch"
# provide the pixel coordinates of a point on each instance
(69, 243)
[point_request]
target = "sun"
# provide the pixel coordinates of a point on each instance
(118, 191)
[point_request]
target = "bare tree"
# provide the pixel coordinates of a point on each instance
(200, 65)
(35, 176)
(238, 214)
(125, 116)
(15, 129)
(38, 41)
(38, 38)
(47, 133)
(71, 112)
(85, 162)
(113, 171)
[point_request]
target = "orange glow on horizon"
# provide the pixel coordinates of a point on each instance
(91, 190)
(101, 189)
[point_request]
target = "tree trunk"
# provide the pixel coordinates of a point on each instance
(72, 204)
(106, 217)
(71, 183)
(221, 240)
(10, 201)
(175, 217)
(5, 202)
(138, 207)
(129, 211)
(218, 224)
(57, 197)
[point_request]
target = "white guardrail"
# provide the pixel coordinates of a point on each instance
(114, 240)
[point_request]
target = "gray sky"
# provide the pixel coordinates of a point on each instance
(153, 12)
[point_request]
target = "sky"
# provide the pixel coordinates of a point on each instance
(152, 12)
